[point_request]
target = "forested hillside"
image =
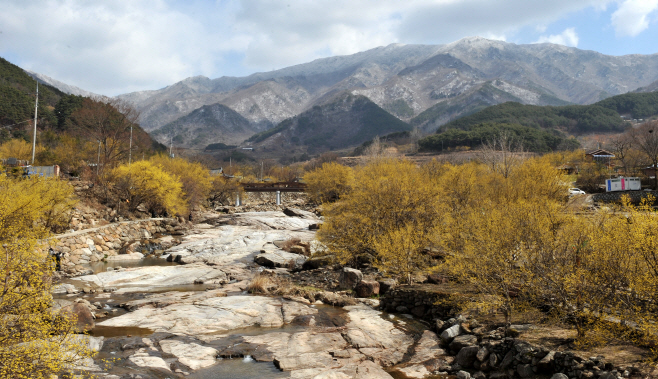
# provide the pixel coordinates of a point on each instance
(543, 128)
(344, 121)
(571, 118)
(637, 105)
(210, 124)
(72, 131)
(532, 139)
(17, 95)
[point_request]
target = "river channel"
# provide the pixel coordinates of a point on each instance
(160, 319)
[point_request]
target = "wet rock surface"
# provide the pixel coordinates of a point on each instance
(147, 278)
(211, 315)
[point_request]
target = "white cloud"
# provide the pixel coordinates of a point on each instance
(117, 46)
(630, 19)
(108, 47)
(568, 37)
(456, 19)
(301, 30)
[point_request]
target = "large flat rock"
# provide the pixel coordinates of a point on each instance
(144, 359)
(427, 350)
(356, 350)
(143, 279)
(212, 315)
(346, 370)
(248, 234)
(310, 354)
(375, 337)
(192, 355)
(160, 300)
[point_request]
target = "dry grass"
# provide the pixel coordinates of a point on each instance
(260, 284)
(273, 285)
(287, 244)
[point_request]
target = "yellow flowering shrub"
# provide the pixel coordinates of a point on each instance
(389, 199)
(329, 182)
(194, 177)
(146, 183)
(35, 342)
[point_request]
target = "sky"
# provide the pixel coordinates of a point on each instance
(117, 46)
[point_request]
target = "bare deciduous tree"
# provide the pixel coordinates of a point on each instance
(108, 124)
(621, 147)
(502, 153)
(645, 137)
(627, 154)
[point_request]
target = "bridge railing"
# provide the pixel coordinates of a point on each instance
(274, 187)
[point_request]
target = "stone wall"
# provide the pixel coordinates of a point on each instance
(615, 197)
(80, 248)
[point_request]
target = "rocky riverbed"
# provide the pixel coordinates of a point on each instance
(193, 317)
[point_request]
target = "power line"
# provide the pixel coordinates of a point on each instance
(29, 103)
(34, 139)
(22, 122)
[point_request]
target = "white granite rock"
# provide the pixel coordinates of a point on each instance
(451, 333)
(212, 315)
(375, 337)
(144, 279)
(240, 242)
(191, 355)
(125, 257)
(143, 359)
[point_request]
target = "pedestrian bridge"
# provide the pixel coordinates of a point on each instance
(274, 187)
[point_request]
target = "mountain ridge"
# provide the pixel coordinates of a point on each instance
(344, 121)
(210, 124)
(66, 88)
(407, 80)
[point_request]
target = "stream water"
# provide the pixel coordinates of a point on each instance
(240, 368)
(146, 262)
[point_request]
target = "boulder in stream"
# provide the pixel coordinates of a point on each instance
(279, 258)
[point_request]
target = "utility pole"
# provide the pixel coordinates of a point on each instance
(98, 160)
(171, 145)
(34, 137)
(130, 152)
(261, 171)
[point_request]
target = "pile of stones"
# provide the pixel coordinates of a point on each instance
(480, 354)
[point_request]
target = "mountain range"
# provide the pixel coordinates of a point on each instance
(424, 86)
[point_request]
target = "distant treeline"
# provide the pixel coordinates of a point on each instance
(638, 105)
(532, 139)
(569, 118)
